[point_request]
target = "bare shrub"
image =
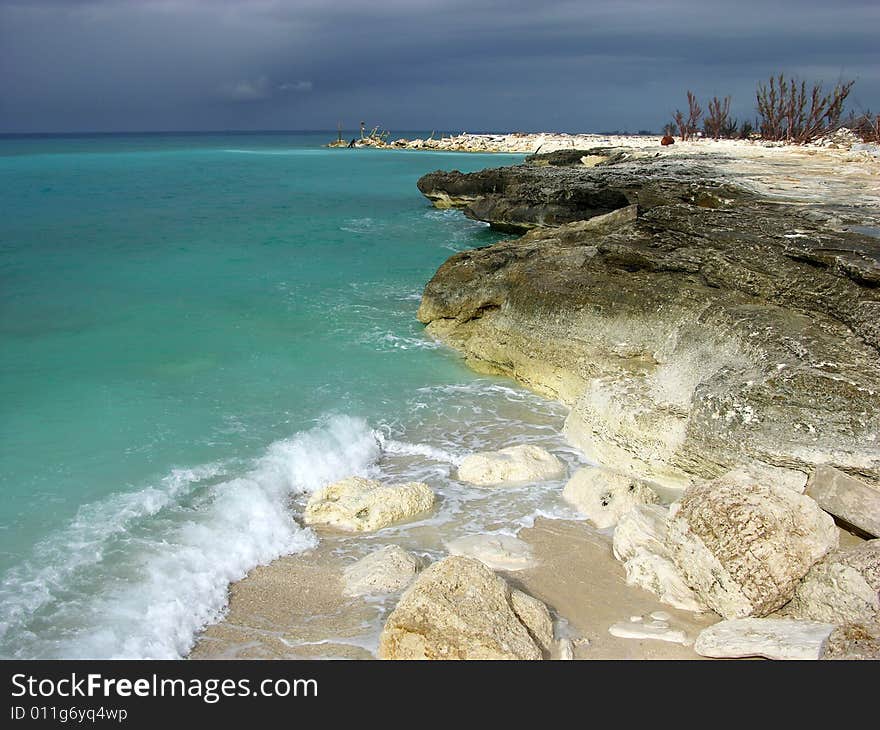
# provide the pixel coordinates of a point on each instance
(687, 125)
(789, 113)
(866, 125)
(717, 123)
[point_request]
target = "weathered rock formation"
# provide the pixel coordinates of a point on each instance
(847, 498)
(710, 330)
(359, 504)
(514, 464)
(459, 609)
(772, 638)
(498, 552)
(744, 549)
(853, 641)
(640, 542)
(604, 496)
(843, 588)
(384, 571)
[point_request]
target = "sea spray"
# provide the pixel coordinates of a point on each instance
(138, 575)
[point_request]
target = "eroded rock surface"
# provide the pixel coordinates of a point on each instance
(513, 464)
(459, 609)
(384, 571)
(853, 642)
(358, 504)
(842, 588)
(744, 549)
(604, 496)
(771, 638)
(713, 329)
(640, 542)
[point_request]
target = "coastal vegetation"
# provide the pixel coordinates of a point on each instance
(788, 110)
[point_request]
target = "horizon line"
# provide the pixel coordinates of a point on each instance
(95, 133)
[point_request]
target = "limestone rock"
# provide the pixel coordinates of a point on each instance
(513, 464)
(535, 616)
(744, 549)
(384, 571)
(768, 474)
(357, 504)
(773, 638)
(644, 526)
(604, 496)
(853, 641)
(498, 552)
(629, 630)
(751, 327)
(658, 575)
(846, 497)
(640, 541)
(842, 588)
(457, 609)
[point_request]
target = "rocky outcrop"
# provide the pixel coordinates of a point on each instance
(711, 330)
(640, 542)
(384, 571)
(459, 609)
(604, 496)
(847, 498)
(519, 198)
(498, 552)
(511, 465)
(744, 549)
(771, 638)
(843, 588)
(359, 504)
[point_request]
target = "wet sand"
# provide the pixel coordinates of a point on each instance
(295, 607)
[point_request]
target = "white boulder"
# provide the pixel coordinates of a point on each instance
(384, 571)
(658, 575)
(642, 528)
(499, 552)
(640, 541)
(604, 496)
(514, 464)
(843, 588)
(773, 638)
(358, 504)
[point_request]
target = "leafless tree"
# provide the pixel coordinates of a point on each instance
(687, 126)
(718, 123)
(789, 113)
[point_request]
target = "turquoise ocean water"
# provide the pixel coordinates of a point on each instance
(194, 330)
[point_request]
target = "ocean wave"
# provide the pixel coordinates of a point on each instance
(387, 341)
(405, 448)
(138, 575)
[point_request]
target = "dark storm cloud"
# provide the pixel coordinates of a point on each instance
(444, 64)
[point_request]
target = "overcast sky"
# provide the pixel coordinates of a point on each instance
(129, 65)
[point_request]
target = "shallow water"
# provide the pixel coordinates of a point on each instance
(196, 330)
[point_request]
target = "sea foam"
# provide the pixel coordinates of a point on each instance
(138, 575)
